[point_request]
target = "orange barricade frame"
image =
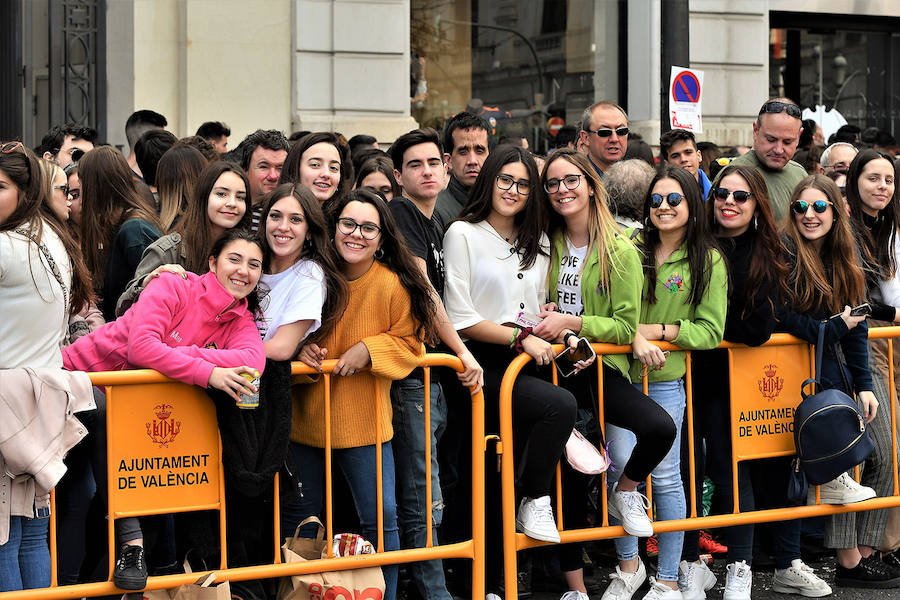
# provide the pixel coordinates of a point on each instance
(513, 541)
(158, 429)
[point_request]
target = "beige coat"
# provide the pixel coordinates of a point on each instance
(37, 428)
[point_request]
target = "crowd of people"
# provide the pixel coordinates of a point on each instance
(217, 267)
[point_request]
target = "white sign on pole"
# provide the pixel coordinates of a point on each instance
(684, 99)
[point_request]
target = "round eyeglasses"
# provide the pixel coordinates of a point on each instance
(569, 181)
(369, 231)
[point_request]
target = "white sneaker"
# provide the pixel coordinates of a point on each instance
(631, 509)
(574, 595)
(694, 580)
(535, 519)
(738, 581)
(660, 591)
(622, 586)
(842, 490)
(492, 596)
(800, 579)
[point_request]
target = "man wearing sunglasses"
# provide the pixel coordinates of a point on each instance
(604, 133)
(776, 134)
(678, 147)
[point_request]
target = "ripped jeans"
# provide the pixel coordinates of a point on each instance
(410, 437)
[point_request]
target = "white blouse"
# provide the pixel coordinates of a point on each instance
(483, 279)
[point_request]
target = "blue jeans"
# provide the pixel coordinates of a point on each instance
(668, 493)
(358, 466)
(25, 558)
(410, 437)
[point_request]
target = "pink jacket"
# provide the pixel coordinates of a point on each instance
(180, 327)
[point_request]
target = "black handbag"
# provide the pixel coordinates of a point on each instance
(829, 429)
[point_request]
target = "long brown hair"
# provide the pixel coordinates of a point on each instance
(396, 257)
(767, 265)
(878, 238)
(194, 226)
(832, 277)
(108, 199)
(698, 242)
(32, 210)
(531, 220)
(318, 249)
(176, 174)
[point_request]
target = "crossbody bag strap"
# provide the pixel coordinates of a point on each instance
(820, 349)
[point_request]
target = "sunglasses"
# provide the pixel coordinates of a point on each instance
(606, 132)
(801, 206)
(775, 107)
(673, 199)
(10, 147)
(740, 196)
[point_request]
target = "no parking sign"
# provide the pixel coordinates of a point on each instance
(685, 90)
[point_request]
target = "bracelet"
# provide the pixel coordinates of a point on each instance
(524, 333)
(515, 336)
(566, 338)
(663, 338)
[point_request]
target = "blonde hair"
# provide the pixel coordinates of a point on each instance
(602, 227)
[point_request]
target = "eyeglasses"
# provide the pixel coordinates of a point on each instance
(64, 188)
(740, 196)
(569, 181)
(505, 182)
(10, 147)
(606, 132)
(369, 231)
(801, 206)
(673, 199)
(775, 107)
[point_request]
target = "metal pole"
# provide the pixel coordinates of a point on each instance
(674, 50)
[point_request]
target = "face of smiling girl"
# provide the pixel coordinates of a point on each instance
(238, 267)
(286, 231)
(320, 170)
(667, 218)
(734, 217)
(227, 201)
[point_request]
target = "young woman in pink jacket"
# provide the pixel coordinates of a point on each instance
(196, 329)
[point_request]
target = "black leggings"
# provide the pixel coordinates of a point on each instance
(626, 407)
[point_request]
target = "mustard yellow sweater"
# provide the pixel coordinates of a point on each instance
(378, 314)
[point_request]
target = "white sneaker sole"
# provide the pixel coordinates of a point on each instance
(643, 533)
(849, 499)
(536, 535)
(790, 589)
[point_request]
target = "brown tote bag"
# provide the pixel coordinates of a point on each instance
(357, 584)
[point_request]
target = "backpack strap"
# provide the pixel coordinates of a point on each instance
(820, 349)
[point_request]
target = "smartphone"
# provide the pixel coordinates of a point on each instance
(862, 309)
(857, 311)
(566, 361)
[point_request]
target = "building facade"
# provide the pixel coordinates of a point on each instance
(383, 66)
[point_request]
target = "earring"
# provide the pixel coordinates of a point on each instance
(755, 223)
(307, 244)
(379, 254)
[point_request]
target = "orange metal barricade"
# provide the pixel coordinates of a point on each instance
(166, 433)
(768, 376)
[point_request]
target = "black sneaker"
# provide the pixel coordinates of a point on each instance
(131, 569)
(869, 573)
(892, 559)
